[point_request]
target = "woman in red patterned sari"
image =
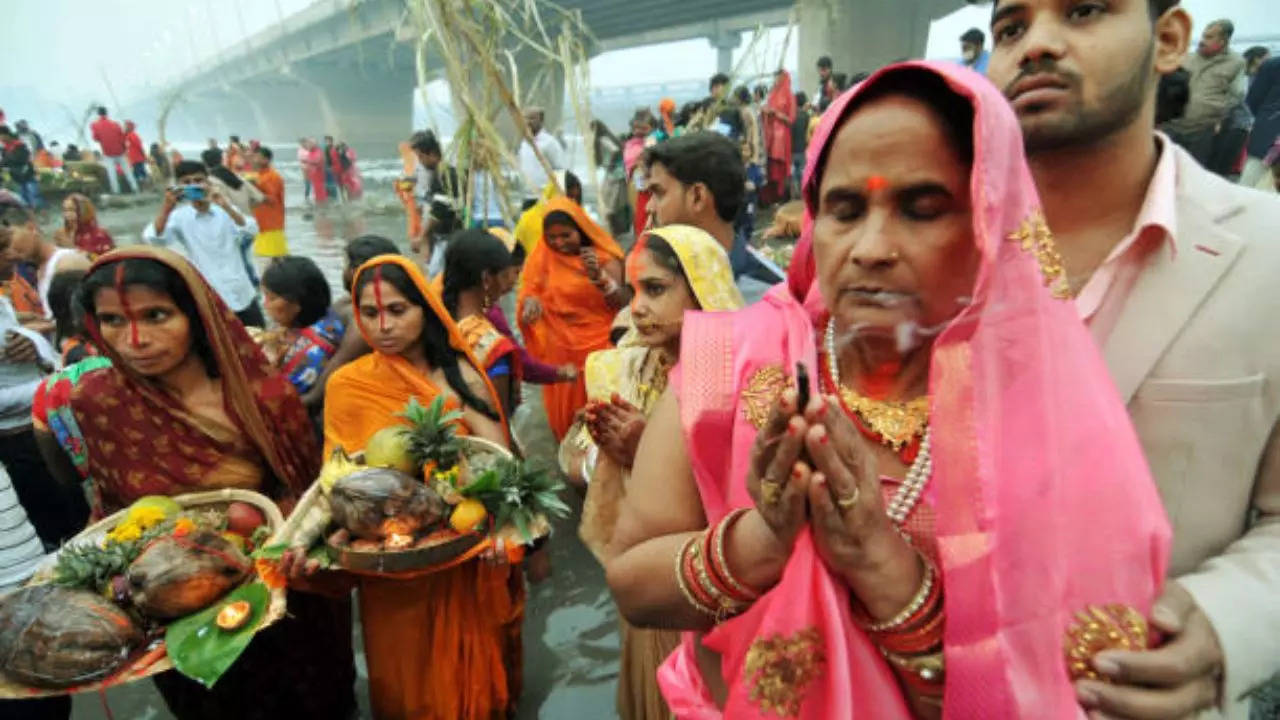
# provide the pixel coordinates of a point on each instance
(190, 403)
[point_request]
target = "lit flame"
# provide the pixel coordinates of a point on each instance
(398, 541)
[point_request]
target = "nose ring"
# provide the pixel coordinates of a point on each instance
(895, 255)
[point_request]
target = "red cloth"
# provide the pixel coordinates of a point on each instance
(133, 148)
(777, 137)
(143, 441)
(109, 135)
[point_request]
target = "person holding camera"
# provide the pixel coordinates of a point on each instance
(202, 224)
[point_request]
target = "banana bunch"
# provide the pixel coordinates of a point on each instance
(338, 466)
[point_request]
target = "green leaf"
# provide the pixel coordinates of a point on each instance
(203, 651)
(274, 551)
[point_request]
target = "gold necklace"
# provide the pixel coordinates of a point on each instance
(897, 423)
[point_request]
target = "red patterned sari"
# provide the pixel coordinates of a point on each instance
(143, 441)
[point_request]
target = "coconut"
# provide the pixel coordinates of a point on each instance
(53, 636)
(374, 503)
(176, 576)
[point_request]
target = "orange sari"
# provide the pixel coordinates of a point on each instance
(575, 318)
(443, 644)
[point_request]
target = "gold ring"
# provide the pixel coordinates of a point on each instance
(848, 502)
(770, 492)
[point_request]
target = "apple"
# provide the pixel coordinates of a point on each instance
(243, 519)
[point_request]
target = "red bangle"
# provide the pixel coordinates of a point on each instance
(717, 569)
(923, 639)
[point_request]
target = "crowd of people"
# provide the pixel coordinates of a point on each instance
(998, 441)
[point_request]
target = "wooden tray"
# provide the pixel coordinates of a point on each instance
(143, 663)
(384, 562)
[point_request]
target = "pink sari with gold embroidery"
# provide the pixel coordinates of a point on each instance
(1042, 498)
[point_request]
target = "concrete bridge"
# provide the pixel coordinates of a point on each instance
(347, 67)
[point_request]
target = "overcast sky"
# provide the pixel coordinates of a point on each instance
(72, 52)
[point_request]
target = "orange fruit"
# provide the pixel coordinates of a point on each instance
(234, 615)
(468, 515)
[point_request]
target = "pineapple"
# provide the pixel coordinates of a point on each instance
(519, 495)
(433, 435)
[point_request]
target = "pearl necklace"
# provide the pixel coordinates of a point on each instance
(908, 495)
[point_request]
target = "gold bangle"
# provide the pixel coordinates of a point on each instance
(725, 605)
(917, 602)
(723, 530)
(684, 589)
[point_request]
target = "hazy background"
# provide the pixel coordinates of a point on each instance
(60, 55)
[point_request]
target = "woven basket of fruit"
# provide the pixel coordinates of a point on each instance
(417, 498)
(166, 583)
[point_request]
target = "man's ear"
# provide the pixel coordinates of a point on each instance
(1172, 38)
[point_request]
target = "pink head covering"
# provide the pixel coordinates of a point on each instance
(1043, 501)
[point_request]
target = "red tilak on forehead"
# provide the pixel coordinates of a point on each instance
(124, 304)
(377, 298)
(876, 183)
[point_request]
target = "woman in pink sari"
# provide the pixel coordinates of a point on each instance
(960, 517)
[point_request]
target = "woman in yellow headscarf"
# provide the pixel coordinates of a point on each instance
(672, 270)
(445, 643)
(570, 290)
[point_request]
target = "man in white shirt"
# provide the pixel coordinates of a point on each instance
(208, 229)
(534, 173)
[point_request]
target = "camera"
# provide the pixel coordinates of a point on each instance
(188, 192)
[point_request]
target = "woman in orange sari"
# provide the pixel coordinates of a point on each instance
(443, 644)
(570, 290)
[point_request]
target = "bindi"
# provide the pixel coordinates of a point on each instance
(124, 304)
(876, 183)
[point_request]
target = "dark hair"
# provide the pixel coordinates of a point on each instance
(189, 167)
(564, 219)
(102, 110)
(841, 80)
(1160, 7)
(63, 305)
(425, 142)
(367, 247)
(1172, 94)
(469, 255)
(708, 158)
(265, 152)
(571, 183)
(956, 112)
(161, 278)
(719, 79)
(975, 36)
(299, 280)
(435, 339)
(824, 62)
(15, 213)
(802, 99)
(666, 256)
(213, 160)
(235, 138)
(6, 132)
(742, 94)
(1255, 52)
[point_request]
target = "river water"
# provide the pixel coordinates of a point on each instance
(570, 632)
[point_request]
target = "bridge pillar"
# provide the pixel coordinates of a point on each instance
(863, 35)
(725, 43)
(292, 107)
(370, 108)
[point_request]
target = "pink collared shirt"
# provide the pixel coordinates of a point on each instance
(1102, 298)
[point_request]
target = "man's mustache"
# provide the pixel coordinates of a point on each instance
(1042, 66)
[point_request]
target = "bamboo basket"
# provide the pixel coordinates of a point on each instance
(139, 668)
(392, 562)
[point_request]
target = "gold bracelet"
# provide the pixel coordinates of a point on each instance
(725, 605)
(684, 589)
(922, 595)
(723, 530)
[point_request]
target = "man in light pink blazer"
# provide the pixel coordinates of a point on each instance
(1177, 274)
